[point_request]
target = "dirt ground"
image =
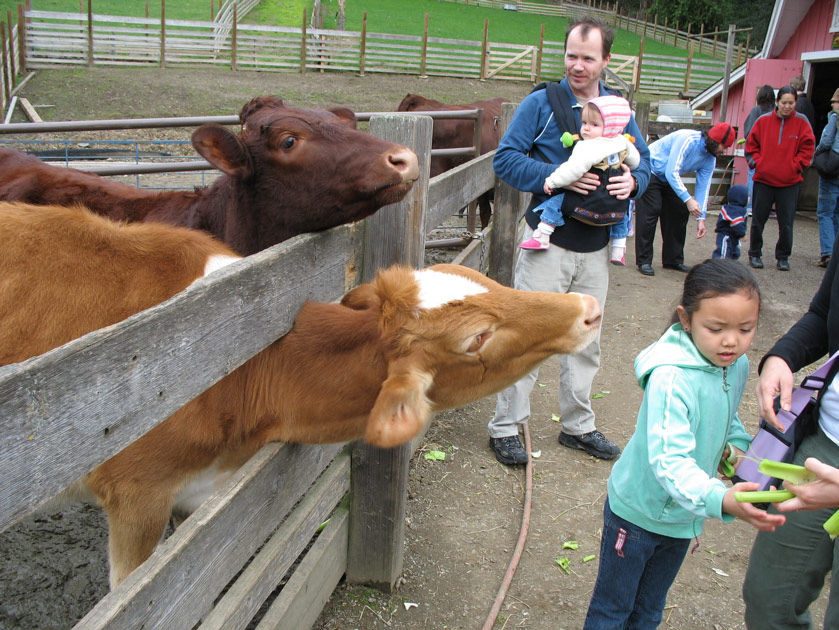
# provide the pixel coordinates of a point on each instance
(464, 513)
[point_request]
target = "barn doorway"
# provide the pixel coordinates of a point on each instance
(824, 80)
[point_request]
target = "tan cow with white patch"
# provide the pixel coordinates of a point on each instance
(374, 366)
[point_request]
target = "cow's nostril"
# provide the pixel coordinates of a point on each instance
(592, 311)
(405, 161)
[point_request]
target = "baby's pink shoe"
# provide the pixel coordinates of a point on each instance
(539, 240)
(533, 243)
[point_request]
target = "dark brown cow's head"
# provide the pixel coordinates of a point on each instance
(313, 159)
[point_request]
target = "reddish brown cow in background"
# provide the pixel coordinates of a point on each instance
(451, 134)
(374, 366)
(288, 171)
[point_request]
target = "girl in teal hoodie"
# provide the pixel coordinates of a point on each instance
(664, 485)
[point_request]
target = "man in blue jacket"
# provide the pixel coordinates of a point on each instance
(578, 259)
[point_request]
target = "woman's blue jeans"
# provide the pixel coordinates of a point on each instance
(828, 213)
(637, 568)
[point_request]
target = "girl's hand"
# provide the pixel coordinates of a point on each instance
(700, 228)
(734, 460)
(755, 517)
(548, 189)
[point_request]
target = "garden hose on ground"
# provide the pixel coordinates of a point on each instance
(525, 526)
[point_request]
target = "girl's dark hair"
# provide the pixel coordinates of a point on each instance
(787, 89)
(765, 97)
(714, 277)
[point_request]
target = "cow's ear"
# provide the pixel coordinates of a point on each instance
(347, 116)
(223, 149)
(362, 298)
(402, 407)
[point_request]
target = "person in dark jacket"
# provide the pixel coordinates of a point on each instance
(731, 224)
(803, 104)
(787, 567)
(780, 146)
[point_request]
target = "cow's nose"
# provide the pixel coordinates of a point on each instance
(405, 161)
(591, 311)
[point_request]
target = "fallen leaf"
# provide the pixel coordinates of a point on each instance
(564, 563)
(435, 455)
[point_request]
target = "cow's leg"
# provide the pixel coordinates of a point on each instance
(135, 526)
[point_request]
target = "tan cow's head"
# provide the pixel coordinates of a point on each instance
(453, 336)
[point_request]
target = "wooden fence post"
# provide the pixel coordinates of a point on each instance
(424, 47)
(7, 80)
(505, 218)
(162, 33)
(213, 10)
(676, 34)
(485, 50)
(363, 44)
(12, 62)
(687, 69)
(233, 36)
(89, 33)
(664, 36)
(637, 81)
(642, 117)
(655, 26)
(748, 41)
(701, 37)
(538, 74)
(21, 38)
(303, 45)
(380, 476)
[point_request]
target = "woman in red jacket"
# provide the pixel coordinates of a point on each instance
(779, 147)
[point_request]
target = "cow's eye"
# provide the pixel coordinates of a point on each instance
(288, 142)
(476, 342)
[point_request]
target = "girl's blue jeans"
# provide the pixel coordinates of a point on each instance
(636, 570)
(828, 213)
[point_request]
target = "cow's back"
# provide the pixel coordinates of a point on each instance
(66, 271)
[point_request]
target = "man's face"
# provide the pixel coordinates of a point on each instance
(584, 61)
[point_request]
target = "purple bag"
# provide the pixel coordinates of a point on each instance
(801, 420)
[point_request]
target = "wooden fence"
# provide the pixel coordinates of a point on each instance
(67, 411)
(45, 39)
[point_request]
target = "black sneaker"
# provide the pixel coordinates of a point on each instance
(594, 443)
(508, 450)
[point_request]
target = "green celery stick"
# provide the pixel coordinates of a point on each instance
(726, 468)
(831, 525)
(765, 496)
(787, 472)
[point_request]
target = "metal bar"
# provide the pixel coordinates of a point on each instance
(186, 121)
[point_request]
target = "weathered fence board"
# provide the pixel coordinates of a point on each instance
(177, 585)
(457, 187)
(244, 598)
(308, 590)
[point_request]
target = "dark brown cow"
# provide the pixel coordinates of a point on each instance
(374, 366)
(288, 171)
(452, 134)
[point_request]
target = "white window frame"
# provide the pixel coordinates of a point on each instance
(834, 23)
